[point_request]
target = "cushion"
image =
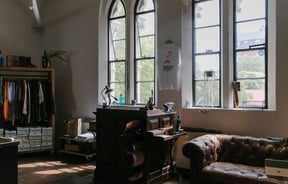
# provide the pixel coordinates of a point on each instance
(229, 173)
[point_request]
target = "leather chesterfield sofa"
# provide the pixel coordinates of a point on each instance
(232, 159)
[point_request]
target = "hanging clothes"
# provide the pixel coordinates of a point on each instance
(169, 67)
(11, 101)
(27, 101)
(5, 102)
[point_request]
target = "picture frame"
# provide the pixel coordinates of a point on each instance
(17, 61)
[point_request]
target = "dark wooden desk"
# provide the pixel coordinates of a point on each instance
(119, 131)
(159, 159)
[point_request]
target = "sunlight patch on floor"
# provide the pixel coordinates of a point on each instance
(42, 164)
(66, 170)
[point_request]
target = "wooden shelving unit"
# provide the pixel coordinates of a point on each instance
(47, 132)
(70, 146)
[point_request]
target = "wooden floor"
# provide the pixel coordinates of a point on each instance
(65, 169)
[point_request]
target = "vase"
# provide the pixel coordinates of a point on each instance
(46, 63)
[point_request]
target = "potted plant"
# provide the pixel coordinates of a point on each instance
(53, 54)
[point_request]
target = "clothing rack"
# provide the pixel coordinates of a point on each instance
(41, 137)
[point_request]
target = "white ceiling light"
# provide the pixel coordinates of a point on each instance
(33, 6)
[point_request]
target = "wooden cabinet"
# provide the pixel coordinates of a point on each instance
(159, 119)
(123, 152)
(29, 113)
(8, 160)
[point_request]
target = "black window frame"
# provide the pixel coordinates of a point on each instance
(108, 53)
(194, 54)
(255, 47)
(136, 95)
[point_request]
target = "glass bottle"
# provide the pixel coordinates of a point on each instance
(121, 99)
(150, 104)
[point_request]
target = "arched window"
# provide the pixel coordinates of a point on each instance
(144, 50)
(131, 50)
(117, 65)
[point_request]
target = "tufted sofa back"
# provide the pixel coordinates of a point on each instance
(247, 150)
(236, 149)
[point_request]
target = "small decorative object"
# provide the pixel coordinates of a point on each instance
(45, 63)
(53, 55)
(149, 104)
(169, 106)
(236, 88)
(18, 61)
(107, 91)
(176, 124)
(1, 59)
(121, 99)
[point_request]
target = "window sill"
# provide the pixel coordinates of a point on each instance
(207, 109)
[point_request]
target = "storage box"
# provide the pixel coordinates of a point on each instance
(74, 127)
(11, 133)
(92, 124)
(47, 131)
(274, 167)
(22, 131)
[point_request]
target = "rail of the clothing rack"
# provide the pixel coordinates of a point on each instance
(24, 75)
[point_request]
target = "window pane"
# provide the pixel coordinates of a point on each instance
(117, 50)
(117, 9)
(207, 93)
(117, 71)
(145, 47)
(250, 52)
(117, 36)
(117, 29)
(250, 64)
(145, 5)
(250, 33)
(250, 9)
(119, 88)
(207, 13)
(207, 40)
(144, 91)
(145, 70)
(145, 35)
(145, 24)
(252, 93)
(206, 63)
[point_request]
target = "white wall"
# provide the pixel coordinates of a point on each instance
(73, 25)
(17, 37)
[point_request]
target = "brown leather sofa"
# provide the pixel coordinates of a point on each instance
(232, 159)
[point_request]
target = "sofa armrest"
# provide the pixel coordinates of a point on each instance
(203, 150)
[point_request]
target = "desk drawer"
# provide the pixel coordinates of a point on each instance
(153, 124)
